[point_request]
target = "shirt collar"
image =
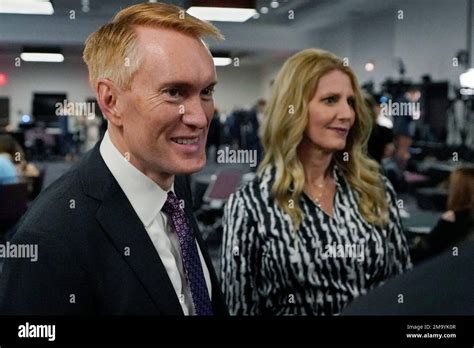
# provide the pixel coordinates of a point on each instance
(338, 176)
(146, 197)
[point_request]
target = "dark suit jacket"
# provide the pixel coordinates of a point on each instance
(94, 254)
(441, 286)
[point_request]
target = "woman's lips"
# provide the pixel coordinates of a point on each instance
(340, 130)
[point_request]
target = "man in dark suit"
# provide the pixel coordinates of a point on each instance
(116, 235)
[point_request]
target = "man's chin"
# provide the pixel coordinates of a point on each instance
(190, 166)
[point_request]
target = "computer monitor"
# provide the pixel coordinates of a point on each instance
(44, 108)
(436, 104)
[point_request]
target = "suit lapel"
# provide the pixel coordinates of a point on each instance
(131, 240)
(127, 233)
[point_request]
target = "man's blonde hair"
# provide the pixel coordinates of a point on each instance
(111, 51)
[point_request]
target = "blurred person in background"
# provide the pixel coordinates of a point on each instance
(8, 171)
(457, 223)
(214, 136)
(404, 126)
(319, 225)
(380, 143)
(10, 149)
(255, 117)
(260, 111)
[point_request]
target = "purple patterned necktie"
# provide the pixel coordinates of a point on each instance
(190, 255)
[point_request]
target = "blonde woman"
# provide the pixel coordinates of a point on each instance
(319, 225)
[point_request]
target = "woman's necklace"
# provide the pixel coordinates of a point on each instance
(319, 195)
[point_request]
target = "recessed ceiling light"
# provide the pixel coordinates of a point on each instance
(274, 4)
(222, 61)
(222, 14)
(467, 79)
(42, 57)
(34, 7)
(264, 10)
(370, 66)
(466, 91)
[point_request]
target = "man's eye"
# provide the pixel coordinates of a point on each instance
(173, 92)
(208, 92)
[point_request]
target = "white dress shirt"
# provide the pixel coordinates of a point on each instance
(147, 198)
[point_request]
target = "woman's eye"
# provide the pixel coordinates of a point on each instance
(330, 100)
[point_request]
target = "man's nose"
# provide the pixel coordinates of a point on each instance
(194, 113)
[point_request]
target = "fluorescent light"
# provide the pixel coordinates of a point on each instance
(36, 7)
(222, 14)
(42, 57)
(467, 79)
(222, 61)
(467, 91)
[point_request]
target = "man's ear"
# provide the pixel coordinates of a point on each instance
(107, 97)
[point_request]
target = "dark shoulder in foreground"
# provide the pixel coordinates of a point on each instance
(441, 286)
(60, 206)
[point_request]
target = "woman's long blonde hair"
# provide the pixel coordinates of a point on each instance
(285, 122)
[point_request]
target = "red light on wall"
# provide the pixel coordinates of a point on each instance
(3, 79)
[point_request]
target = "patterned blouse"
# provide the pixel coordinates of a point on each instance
(268, 270)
